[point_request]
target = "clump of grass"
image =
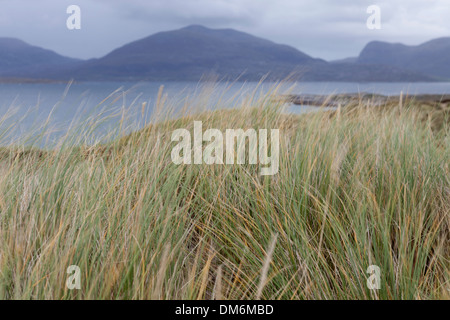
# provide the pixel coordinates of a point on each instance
(355, 188)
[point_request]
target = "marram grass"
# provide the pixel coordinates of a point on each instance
(360, 187)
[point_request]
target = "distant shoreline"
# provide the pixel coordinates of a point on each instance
(56, 81)
(358, 98)
(27, 81)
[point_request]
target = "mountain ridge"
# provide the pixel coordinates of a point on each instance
(430, 58)
(190, 53)
(193, 51)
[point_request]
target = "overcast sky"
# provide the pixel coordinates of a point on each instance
(328, 29)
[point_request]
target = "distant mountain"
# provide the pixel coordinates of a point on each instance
(19, 59)
(431, 58)
(194, 51)
(190, 54)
